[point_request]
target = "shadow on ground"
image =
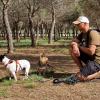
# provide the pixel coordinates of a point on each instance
(53, 74)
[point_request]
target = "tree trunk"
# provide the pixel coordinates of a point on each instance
(52, 27)
(42, 30)
(9, 32)
(37, 33)
(33, 42)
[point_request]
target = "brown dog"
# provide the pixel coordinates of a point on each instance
(43, 64)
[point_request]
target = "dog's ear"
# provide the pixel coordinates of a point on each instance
(1, 57)
(42, 54)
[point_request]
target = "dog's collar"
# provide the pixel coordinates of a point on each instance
(10, 61)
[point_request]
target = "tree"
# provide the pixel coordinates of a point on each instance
(52, 25)
(91, 8)
(6, 4)
(33, 7)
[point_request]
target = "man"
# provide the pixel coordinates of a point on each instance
(85, 50)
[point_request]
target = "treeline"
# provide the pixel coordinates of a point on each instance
(50, 19)
(41, 30)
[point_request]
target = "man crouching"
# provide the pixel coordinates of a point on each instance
(85, 50)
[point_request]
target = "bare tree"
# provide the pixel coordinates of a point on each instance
(6, 4)
(53, 25)
(32, 7)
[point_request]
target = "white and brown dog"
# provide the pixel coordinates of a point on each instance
(15, 66)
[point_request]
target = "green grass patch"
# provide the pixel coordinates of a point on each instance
(31, 82)
(36, 77)
(42, 42)
(31, 85)
(3, 43)
(7, 82)
(23, 42)
(3, 91)
(27, 42)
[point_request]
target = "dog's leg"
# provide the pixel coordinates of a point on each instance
(14, 74)
(26, 73)
(9, 76)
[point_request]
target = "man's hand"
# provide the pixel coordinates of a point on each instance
(75, 49)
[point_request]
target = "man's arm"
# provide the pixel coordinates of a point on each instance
(89, 51)
(94, 40)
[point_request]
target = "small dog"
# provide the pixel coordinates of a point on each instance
(15, 66)
(43, 64)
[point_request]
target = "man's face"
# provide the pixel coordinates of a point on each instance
(81, 26)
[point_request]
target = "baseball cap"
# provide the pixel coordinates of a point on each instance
(81, 19)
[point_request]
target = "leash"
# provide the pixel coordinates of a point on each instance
(68, 80)
(17, 63)
(10, 61)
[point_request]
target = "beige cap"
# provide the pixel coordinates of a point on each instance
(81, 19)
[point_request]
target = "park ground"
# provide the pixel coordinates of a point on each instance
(42, 88)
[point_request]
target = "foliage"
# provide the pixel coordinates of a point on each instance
(91, 9)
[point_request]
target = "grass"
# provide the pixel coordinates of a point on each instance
(3, 92)
(23, 42)
(31, 85)
(27, 42)
(32, 82)
(38, 87)
(7, 82)
(37, 78)
(4, 85)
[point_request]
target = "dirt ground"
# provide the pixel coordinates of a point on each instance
(46, 90)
